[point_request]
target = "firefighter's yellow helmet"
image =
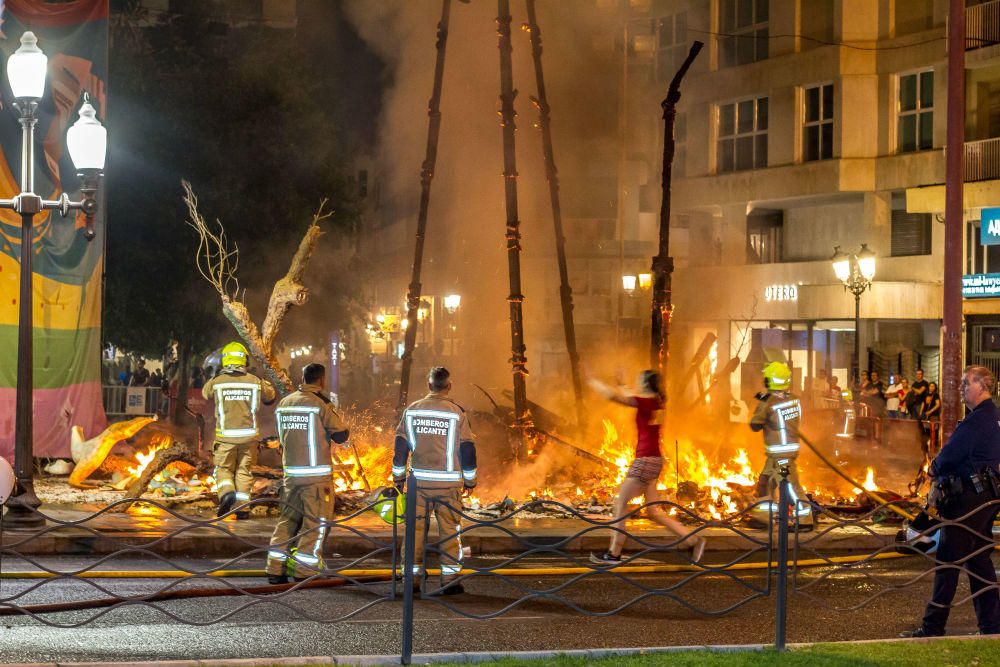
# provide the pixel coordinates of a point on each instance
(777, 375)
(384, 506)
(234, 354)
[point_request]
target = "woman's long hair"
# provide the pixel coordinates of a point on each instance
(651, 383)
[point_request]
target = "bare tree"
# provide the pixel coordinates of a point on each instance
(218, 260)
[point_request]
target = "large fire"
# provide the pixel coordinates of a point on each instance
(367, 463)
(721, 489)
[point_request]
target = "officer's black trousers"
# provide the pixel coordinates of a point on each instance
(957, 542)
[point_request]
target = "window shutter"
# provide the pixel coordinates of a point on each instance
(911, 234)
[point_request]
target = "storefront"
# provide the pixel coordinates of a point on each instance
(764, 315)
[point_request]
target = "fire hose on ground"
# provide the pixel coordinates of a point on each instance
(871, 494)
(378, 574)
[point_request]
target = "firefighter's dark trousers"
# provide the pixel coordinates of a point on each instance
(957, 543)
(447, 502)
(232, 468)
(306, 510)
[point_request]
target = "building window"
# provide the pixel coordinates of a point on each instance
(916, 111)
(764, 236)
(980, 258)
(911, 234)
(742, 136)
(817, 126)
(743, 28)
(913, 16)
(671, 45)
(679, 167)
(816, 24)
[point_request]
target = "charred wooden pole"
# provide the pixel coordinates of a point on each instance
(552, 175)
(518, 359)
(663, 263)
(426, 175)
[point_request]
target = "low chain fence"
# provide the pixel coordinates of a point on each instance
(780, 562)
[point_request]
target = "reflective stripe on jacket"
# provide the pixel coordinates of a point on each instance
(780, 415)
(237, 396)
(441, 443)
(306, 423)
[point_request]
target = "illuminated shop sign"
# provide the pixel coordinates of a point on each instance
(781, 293)
(981, 285)
(989, 226)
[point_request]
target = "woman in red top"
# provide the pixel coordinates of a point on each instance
(644, 472)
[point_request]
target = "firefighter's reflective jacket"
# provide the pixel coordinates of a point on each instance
(778, 414)
(306, 423)
(237, 395)
(434, 434)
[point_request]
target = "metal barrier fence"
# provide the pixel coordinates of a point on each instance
(121, 401)
(771, 564)
(23, 547)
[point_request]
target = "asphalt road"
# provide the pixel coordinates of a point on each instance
(252, 627)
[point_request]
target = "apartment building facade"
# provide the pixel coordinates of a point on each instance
(805, 126)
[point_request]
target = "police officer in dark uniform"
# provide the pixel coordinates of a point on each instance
(966, 477)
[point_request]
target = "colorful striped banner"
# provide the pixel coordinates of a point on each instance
(68, 268)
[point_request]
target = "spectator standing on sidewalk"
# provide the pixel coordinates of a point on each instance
(892, 397)
(917, 394)
(873, 395)
(140, 378)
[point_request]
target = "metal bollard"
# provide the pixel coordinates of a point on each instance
(781, 585)
(409, 542)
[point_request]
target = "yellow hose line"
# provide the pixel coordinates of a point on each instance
(386, 572)
(871, 494)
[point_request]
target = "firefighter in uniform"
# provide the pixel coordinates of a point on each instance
(307, 423)
(237, 395)
(966, 481)
(435, 437)
(778, 415)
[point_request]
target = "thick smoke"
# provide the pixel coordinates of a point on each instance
(466, 248)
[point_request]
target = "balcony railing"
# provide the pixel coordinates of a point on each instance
(982, 159)
(982, 25)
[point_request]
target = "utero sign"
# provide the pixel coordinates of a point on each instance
(989, 226)
(781, 293)
(981, 285)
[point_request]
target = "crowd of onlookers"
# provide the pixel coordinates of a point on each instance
(142, 377)
(897, 399)
(901, 399)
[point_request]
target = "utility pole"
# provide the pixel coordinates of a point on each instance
(951, 329)
(518, 360)
(663, 263)
(426, 175)
(552, 175)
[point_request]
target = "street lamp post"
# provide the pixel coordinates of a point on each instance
(856, 272)
(87, 144)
